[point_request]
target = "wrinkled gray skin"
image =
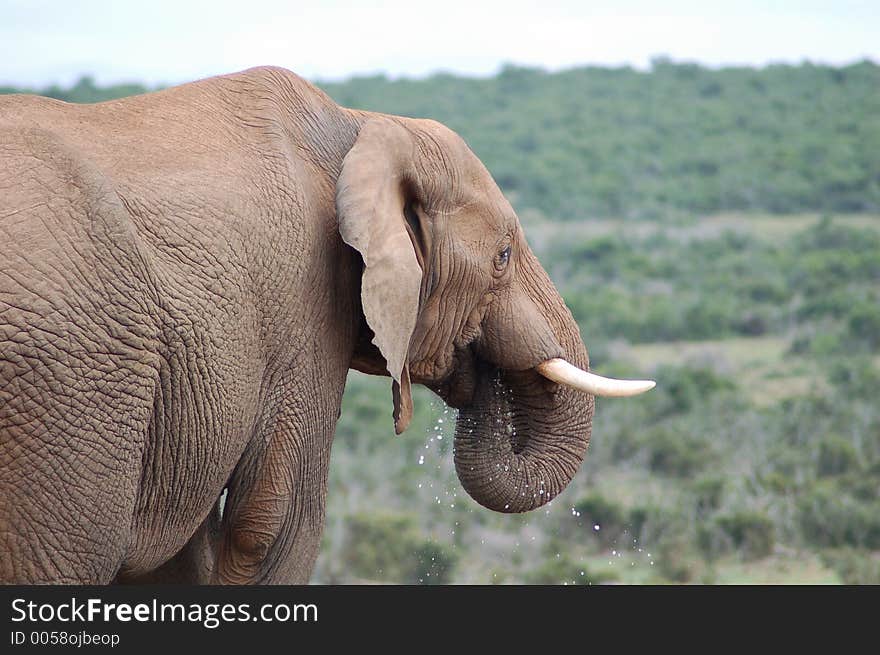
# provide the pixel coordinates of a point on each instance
(181, 298)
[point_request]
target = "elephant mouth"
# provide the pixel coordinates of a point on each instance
(489, 396)
(457, 388)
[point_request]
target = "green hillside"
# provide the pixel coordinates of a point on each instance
(624, 143)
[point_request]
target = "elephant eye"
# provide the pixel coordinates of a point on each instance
(502, 259)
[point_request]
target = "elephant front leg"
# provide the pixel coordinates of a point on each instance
(274, 514)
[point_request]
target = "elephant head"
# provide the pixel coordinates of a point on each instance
(454, 299)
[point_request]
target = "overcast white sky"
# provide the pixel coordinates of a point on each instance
(169, 41)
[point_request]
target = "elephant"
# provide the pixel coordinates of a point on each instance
(187, 277)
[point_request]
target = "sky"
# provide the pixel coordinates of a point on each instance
(171, 41)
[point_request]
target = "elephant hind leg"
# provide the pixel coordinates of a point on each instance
(274, 515)
(192, 565)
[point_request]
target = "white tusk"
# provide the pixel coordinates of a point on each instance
(562, 372)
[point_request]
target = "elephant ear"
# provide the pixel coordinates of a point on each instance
(371, 195)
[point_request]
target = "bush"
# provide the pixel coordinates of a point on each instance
(833, 304)
(831, 518)
(855, 567)
(595, 509)
(778, 482)
(862, 485)
(836, 456)
(824, 344)
(625, 445)
(685, 387)
(708, 492)
(434, 563)
(678, 455)
(857, 378)
(863, 323)
(674, 560)
(752, 533)
(651, 524)
(562, 570)
(387, 547)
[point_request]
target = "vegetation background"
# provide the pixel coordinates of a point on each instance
(716, 229)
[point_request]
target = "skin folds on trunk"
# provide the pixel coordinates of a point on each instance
(523, 438)
(517, 446)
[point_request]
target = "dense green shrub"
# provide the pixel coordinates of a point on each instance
(836, 456)
(674, 558)
(388, 547)
(595, 509)
(777, 482)
(752, 533)
(855, 567)
(863, 323)
(832, 518)
(855, 377)
(863, 483)
(562, 570)
(708, 492)
(687, 387)
(434, 563)
(834, 303)
(677, 454)
(650, 523)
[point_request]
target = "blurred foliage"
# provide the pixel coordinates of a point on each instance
(759, 451)
(562, 570)
(853, 567)
(621, 142)
(752, 533)
(388, 547)
(84, 90)
(735, 462)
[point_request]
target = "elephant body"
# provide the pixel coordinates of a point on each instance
(165, 321)
(186, 278)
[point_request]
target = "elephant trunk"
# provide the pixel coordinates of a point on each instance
(523, 438)
(517, 446)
